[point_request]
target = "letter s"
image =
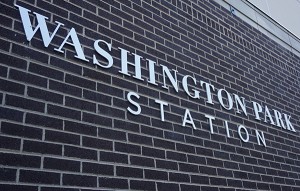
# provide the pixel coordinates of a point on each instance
(138, 111)
(103, 53)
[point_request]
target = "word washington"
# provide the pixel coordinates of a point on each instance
(103, 49)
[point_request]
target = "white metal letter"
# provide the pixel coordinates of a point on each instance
(268, 115)
(75, 43)
(288, 123)
(210, 118)
(229, 98)
(138, 107)
(185, 87)
(136, 64)
(257, 109)
(208, 91)
(186, 120)
(260, 138)
(172, 79)
(41, 20)
(103, 53)
(240, 133)
(278, 118)
(162, 112)
(151, 79)
(227, 129)
(241, 103)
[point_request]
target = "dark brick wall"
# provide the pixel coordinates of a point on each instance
(64, 122)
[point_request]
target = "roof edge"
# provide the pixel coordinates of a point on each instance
(262, 22)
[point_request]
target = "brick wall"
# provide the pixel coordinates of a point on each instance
(65, 123)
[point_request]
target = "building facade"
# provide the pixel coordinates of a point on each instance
(147, 95)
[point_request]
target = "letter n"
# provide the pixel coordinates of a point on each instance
(41, 25)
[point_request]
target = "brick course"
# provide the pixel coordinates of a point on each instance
(65, 124)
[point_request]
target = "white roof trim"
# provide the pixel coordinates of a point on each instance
(259, 20)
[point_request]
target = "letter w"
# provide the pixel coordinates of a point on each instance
(29, 32)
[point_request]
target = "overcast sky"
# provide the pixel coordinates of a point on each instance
(285, 12)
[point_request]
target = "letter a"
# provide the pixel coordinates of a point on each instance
(75, 43)
(187, 115)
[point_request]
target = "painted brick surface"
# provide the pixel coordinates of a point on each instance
(65, 123)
